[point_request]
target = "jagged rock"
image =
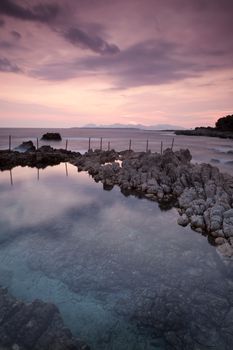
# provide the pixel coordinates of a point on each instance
(220, 240)
(51, 136)
(197, 221)
(46, 148)
(187, 197)
(225, 249)
(213, 217)
(183, 220)
(210, 189)
(228, 223)
(26, 146)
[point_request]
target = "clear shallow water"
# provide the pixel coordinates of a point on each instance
(218, 152)
(122, 272)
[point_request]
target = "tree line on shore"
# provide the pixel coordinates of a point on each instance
(225, 123)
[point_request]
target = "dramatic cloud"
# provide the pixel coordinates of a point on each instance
(8, 67)
(152, 62)
(4, 44)
(16, 35)
(95, 43)
(167, 55)
(40, 12)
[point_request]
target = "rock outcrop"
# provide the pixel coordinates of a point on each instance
(51, 136)
(40, 158)
(202, 194)
(26, 146)
(35, 325)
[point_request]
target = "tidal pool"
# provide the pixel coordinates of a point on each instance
(122, 272)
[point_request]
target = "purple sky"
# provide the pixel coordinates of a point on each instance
(74, 62)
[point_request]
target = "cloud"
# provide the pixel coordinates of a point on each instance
(78, 37)
(4, 44)
(12, 42)
(8, 67)
(153, 62)
(145, 63)
(159, 57)
(16, 35)
(2, 23)
(40, 12)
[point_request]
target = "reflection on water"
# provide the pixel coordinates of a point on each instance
(203, 149)
(123, 274)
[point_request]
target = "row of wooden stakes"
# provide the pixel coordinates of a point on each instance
(101, 144)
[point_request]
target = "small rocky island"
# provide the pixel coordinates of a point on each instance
(51, 136)
(223, 129)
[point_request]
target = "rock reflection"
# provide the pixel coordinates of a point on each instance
(124, 275)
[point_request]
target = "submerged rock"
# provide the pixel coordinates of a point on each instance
(35, 325)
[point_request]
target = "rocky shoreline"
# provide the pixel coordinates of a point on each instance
(40, 158)
(202, 195)
(35, 325)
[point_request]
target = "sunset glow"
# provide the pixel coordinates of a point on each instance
(75, 62)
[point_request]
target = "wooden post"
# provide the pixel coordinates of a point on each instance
(37, 143)
(38, 174)
(101, 143)
(9, 142)
(161, 150)
(147, 145)
(109, 146)
(66, 169)
(130, 144)
(66, 144)
(89, 144)
(172, 143)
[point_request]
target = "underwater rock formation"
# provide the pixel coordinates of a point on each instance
(35, 325)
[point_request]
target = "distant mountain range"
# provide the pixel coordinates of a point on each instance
(136, 126)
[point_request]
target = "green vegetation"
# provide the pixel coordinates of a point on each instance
(223, 129)
(225, 123)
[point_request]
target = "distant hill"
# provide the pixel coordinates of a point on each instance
(135, 126)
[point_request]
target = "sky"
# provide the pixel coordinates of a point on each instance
(75, 62)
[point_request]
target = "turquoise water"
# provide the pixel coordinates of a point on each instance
(122, 272)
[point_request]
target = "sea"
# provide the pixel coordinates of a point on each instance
(123, 274)
(216, 151)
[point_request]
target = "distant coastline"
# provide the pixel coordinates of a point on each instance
(210, 132)
(223, 129)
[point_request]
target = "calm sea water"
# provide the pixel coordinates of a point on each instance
(122, 272)
(218, 152)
